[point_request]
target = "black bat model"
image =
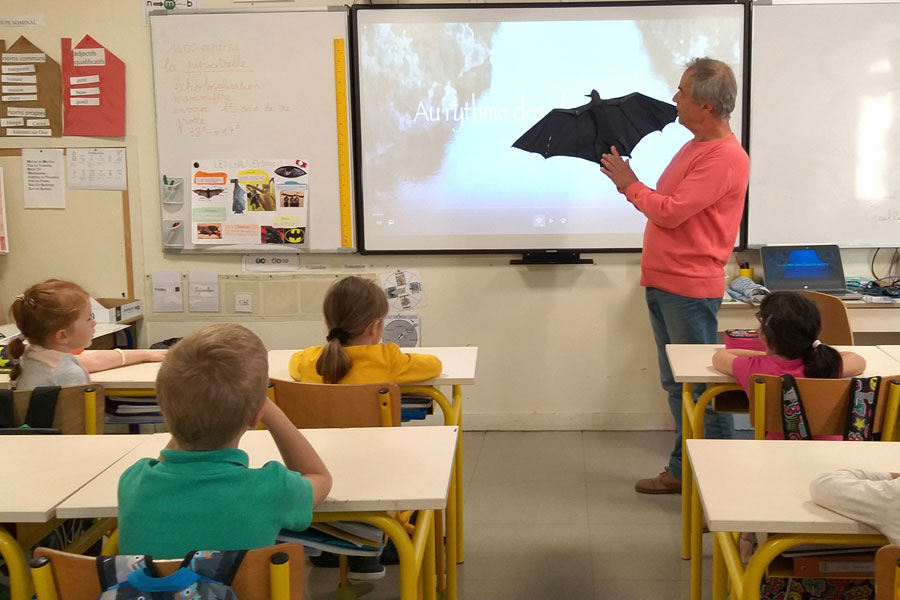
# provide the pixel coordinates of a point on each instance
(588, 131)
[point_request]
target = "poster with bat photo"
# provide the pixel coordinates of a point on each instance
(249, 201)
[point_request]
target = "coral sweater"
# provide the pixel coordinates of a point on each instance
(693, 218)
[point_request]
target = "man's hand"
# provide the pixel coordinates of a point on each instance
(617, 169)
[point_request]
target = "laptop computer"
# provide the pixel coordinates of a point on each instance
(816, 268)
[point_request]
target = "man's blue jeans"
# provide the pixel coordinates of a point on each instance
(682, 320)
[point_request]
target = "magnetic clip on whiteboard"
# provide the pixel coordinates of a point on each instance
(172, 191)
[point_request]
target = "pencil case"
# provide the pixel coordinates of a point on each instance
(746, 339)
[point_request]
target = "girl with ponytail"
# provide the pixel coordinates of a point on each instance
(55, 320)
(789, 327)
(355, 309)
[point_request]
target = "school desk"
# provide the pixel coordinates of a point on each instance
(892, 351)
(864, 317)
(770, 493)
(458, 369)
(403, 468)
(692, 363)
(38, 472)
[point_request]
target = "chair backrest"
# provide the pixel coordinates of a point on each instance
(825, 402)
(836, 329)
(321, 405)
(75, 576)
(886, 579)
(79, 409)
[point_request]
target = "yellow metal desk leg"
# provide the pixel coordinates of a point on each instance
(428, 566)
(696, 544)
(729, 553)
(440, 560)
(20, 587)
(452, 549)
(458, 472)
(719, 574)
(687, 429)
(452, 416)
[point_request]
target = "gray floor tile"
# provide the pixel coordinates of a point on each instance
(539, 456)
(525, 503)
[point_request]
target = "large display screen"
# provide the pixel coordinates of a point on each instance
(442, 92)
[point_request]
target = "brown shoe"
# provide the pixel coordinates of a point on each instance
(664, 483)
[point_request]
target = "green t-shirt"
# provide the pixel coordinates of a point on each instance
(208, 501)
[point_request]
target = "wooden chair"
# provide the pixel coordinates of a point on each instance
(274, 572)
(321, 405)
(887, 582)
(836, 329)
(825, 402)
(79, 409)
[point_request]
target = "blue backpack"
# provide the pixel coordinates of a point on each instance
(205, 575)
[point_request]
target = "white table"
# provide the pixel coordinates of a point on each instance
(403, 468)
(692, 363)
(892, 351)
(40, 471)
(458, 364)
(864, 316)
(770, 493)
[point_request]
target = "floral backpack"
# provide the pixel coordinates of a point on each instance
(203, 575)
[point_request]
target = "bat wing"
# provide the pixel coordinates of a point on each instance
(208, 192)
(623, 122)
(562, 132)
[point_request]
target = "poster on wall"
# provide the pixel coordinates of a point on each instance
(249, 201)
(93, 89)
(4, 239)
(31, 92)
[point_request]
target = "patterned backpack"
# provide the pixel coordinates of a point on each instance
(205, 575)
(860, 412)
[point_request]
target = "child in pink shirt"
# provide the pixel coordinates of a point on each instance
(789, 327)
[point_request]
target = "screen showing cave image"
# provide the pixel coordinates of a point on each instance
(444, 93)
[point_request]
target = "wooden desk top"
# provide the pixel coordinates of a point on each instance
(374, 469)
(750, 485)
(458, 362)
(692, 363)
(40, 471)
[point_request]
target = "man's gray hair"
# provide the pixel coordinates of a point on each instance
(713, 81)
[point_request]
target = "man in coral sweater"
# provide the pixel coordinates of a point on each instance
(693, 217)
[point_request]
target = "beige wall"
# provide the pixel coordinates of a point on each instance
(564, 347)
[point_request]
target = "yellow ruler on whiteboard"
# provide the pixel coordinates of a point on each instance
(340, 96)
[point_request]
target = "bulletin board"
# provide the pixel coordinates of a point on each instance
(250, 107)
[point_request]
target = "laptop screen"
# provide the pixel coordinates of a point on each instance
(803, 268)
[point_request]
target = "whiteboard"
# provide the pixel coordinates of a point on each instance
(243, 86)
(825, 125)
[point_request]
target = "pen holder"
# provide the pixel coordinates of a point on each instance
(748, 273)
(173, 234)
(173, 191)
